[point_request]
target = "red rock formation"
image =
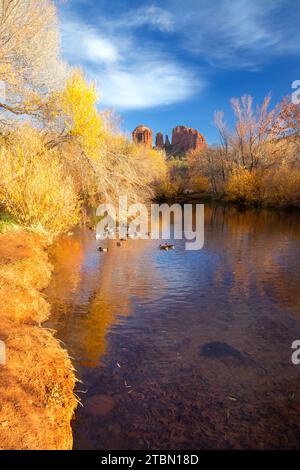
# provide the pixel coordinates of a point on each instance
(159, 141)
(142, 135)
(185, 139)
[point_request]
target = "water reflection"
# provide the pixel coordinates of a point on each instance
(91, 292)
(136, 320)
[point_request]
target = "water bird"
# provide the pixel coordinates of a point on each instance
(109, 229)
(166, 246)
(103, 250)
(134, 235)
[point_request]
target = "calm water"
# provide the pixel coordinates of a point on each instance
(139, 324)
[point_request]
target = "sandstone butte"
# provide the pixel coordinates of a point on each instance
(143, 135)
(184, 139)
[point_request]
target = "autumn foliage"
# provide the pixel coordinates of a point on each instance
(258, 161)
(34, 187)
(58, 152)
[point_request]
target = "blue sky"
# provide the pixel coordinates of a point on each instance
(175, 62)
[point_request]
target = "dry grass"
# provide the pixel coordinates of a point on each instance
(36, 384)
(34, 188)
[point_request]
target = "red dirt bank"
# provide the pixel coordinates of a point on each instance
(37, 382)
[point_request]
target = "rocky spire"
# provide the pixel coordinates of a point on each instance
(159, 141)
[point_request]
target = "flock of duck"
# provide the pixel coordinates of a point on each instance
(131, 235)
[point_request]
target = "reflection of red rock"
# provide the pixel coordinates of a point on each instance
(142, 135)
(185, 139)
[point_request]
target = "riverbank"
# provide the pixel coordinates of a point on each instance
(37, 381)
(208, 198)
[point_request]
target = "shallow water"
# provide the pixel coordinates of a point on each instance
(183, 349)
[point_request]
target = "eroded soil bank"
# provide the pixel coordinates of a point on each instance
(37, 381)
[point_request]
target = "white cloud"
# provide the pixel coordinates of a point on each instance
(154, 16)
(82, 42)
(148, 85)
(100, 49)
(129, 74)
(133, 73)
(238, 34)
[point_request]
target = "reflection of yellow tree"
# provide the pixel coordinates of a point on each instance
(255, 250)
(106, 295)
(67, 256)
(123, 275)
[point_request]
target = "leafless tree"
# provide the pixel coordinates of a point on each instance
(30, 62)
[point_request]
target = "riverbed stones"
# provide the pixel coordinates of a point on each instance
(219, 350)
(99, 405)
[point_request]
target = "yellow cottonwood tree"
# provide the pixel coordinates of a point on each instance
(75, 115)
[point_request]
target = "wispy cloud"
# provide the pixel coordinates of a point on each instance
(83, 44)
(130, 74)
(147, 85)
(136, 68)
(155, 17)
(238, 34)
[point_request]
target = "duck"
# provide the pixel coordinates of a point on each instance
(170, 246)
(134, 235)
(109, 230)
(103, 250)
(166, 246)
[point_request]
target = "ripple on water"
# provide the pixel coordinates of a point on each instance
(183, 350)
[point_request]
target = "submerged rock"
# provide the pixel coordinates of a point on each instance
(99, 405)
(217, 349)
